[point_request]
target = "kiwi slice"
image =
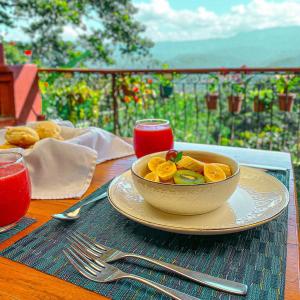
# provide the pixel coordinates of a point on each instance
(188, 177)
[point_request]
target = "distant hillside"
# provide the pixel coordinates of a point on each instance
(269, 47)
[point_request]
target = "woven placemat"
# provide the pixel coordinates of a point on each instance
(256, 257)
(24, 223)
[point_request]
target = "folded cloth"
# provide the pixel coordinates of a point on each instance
(64, 169)
(107, 145)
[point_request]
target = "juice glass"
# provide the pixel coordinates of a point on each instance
(15, 189)
(152, 135)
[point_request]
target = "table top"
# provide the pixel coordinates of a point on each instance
(18, 281)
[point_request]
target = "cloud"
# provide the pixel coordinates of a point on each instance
(165, 23)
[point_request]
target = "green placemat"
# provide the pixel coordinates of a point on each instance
(256, 257)
(24, 223)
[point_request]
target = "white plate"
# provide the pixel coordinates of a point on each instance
(258, 199)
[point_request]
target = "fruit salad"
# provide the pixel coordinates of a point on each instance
(177, 168)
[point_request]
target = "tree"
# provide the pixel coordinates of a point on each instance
(103, 27)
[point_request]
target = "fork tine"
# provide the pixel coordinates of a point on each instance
(99, 246)
(77, 266)
(86, 259)
(87, 252)
(83, 264)
(88, 243)
(73, 239)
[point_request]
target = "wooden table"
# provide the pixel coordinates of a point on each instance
(18, 281)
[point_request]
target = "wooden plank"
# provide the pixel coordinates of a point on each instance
(27, 97)
(20, 282)
(6, 94)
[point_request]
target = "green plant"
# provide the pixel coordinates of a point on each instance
(134, 88)
(166, 79)
(287, 83)
(71, 98)
(239, 83)
(100, 26)
(86, 100)
(14, 52)
(262, 95)
(213, 84)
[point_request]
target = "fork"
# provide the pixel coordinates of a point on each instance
(100, 271)
(97, 251)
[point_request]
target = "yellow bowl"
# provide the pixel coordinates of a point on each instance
(181, 199)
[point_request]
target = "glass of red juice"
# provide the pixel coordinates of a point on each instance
(15, 189)
(152, 135)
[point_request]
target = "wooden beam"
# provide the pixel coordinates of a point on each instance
(2, 59)
(171, 71)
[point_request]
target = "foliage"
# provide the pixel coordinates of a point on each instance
(45, 22)
(5, 8)
(135, 88)
(213, 84)
(86, 100)
(263, 95)
(71, 98)
(287, 83)
(166, 79)
(238, 83)
(14, 53)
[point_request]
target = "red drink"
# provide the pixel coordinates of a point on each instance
(151, 136)
(15, 189)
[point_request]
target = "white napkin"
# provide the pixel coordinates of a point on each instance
(64, 169)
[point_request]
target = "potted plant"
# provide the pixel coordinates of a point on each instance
(258, 104)
(238, 89)
(134, 89)
(261, 99)
(212, 95)
(236, 97)
(128, 86)
(285, 86)
(165, 82)
(166, 85)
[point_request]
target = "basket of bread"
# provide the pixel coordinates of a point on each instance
(27, 136)
(61, 158)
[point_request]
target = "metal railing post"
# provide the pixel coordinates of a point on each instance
(115, 104)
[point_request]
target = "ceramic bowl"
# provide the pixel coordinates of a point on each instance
(183, 199)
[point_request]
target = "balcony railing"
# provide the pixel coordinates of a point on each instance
(246, 107)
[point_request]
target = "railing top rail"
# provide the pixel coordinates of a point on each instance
(168, 71)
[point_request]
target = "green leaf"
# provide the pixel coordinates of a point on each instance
(178, 157)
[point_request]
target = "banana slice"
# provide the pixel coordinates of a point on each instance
(154, 162)
(152, 177)
(190, 163)
(213, 173)
(166, 170)
(7, 146)
(225, 168)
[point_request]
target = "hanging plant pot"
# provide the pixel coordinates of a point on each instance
(211, 101)
(286, 102)
(258, 105)
(40, 117)
(165, 91)
(127, 91)
(235, 103)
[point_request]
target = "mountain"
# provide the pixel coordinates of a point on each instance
(277, 47)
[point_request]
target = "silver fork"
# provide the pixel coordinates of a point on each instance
(100, 271)
(96, 251)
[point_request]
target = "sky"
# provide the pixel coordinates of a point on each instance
(176, 20)
(179, 20)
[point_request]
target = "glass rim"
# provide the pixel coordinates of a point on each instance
(16, 161)
(155, 122)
